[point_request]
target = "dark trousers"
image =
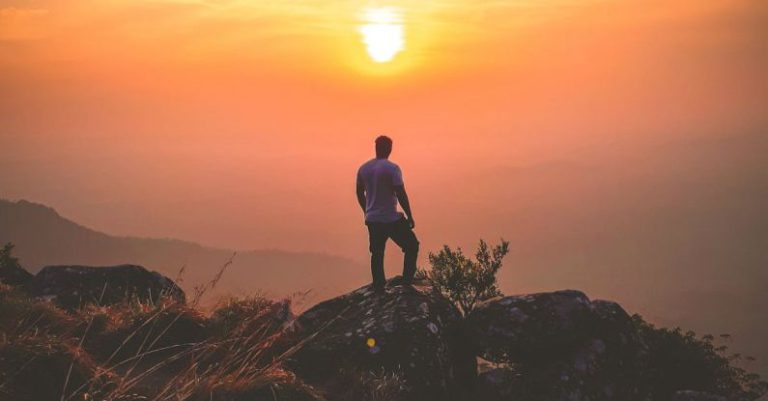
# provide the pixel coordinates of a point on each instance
(404, 237)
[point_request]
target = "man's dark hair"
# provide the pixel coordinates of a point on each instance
(383, 146)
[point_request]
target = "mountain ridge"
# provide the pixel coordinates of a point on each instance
(43, 237)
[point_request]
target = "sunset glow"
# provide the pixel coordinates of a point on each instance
(617, 134)
(383, 34)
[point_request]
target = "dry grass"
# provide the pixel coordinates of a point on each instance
(163, 351)
(372, 386)
(146, 351)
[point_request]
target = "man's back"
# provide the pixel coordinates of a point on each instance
(380, 177)
(379, 189)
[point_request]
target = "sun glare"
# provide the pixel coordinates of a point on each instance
(383, 33)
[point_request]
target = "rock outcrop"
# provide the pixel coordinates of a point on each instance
(561, 346)
(407, 343)
(72, 287)
(524, 327)
(413, 332)
(498, 384)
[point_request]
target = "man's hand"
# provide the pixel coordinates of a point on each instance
(411, 223)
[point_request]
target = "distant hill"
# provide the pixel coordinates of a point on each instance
(43, 237)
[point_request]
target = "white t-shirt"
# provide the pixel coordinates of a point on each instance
(379, 177)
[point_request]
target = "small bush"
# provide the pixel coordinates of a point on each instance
(678, 360)
(464, 281)
(11, 271)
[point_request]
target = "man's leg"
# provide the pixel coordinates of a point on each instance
(406, 239)
(377, 238)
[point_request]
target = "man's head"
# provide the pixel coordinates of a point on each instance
(383, 147)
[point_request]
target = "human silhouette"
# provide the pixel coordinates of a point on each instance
(379, 189)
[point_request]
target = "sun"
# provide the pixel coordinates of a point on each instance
(383, 33)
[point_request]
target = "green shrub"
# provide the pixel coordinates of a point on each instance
(11, 271)
(464, 281)
(678, 360)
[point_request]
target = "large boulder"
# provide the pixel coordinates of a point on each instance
(560, 345)
(413, 333)
(72, 287)
(625, 351)
(530, 326)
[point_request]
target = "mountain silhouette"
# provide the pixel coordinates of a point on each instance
(43, 237)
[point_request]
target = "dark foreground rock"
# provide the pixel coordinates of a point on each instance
(498, 384)
(561, 346)
(530, 326)
(286, 388)
(411, 332)
(43, 368)
(72, 287)
(696, 396)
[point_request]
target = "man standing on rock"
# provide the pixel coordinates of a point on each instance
(379, 188)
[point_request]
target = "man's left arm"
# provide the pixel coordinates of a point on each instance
(360, 190)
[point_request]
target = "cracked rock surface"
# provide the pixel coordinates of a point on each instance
(407, 329)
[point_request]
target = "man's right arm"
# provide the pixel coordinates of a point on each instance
(402, 198)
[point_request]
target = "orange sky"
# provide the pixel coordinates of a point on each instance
(619, 145)
(241, 123)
